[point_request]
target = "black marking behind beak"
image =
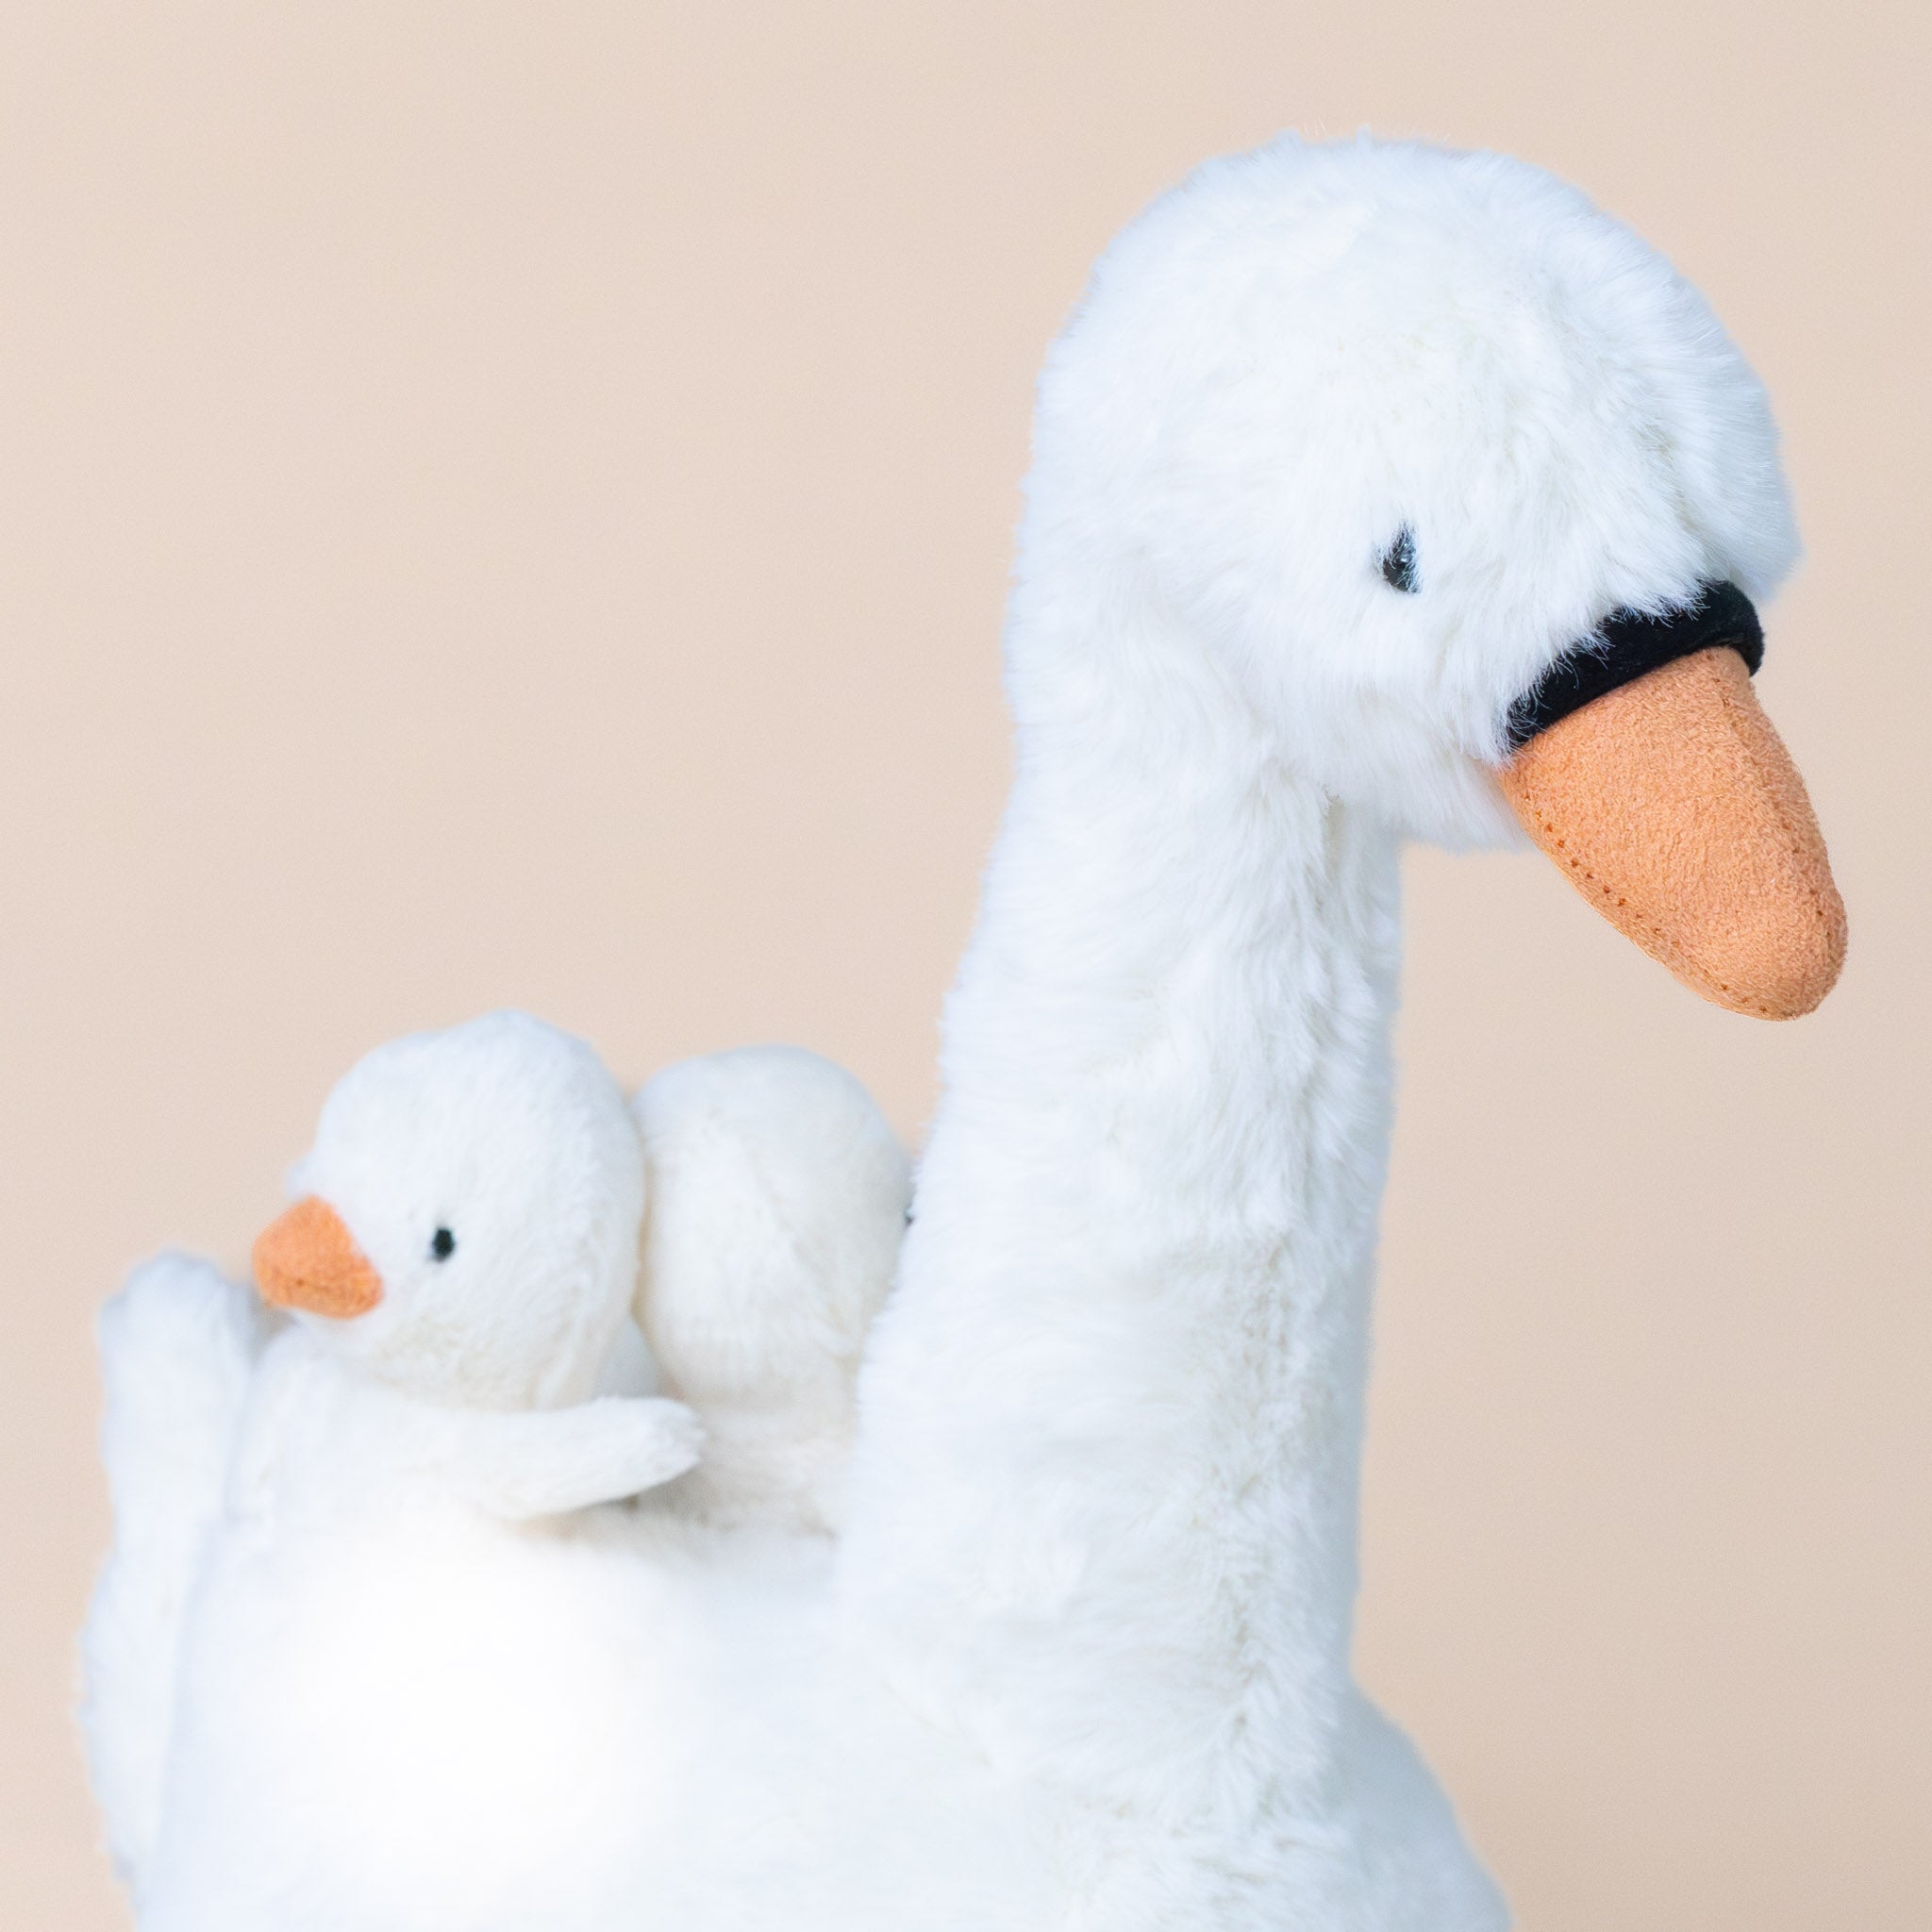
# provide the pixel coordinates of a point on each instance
(1630, 644)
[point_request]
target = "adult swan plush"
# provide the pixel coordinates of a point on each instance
(1365, 476)
(1379, 492)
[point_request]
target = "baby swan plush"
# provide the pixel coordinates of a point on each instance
(778, 1197)
(466, 1241)
(344, 1663)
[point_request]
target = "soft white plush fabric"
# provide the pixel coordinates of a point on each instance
(179, 1347)
(318, 1528)
(1080, 1658)
(367, 1652)
(1103, 1514)
(779, 1196)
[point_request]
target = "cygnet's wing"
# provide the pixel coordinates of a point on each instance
(179, 1345)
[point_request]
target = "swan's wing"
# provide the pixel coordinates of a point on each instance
(179, 1345)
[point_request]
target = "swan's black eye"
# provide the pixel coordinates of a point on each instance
(444, 1246)
(1398, 562)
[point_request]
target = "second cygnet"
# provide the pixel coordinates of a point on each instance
(777, 1196)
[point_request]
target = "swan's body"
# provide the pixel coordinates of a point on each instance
(1347, 449)
(399, 1664)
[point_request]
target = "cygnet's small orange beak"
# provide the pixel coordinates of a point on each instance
(1673, 807)
(307, 1260)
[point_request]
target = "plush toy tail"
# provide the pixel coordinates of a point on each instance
(178, 1347)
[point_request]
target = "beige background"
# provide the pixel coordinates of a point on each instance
(510, 504)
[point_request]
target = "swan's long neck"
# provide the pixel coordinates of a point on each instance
(1103, 1510)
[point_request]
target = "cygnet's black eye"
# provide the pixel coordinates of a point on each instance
(1398, 562)
(443, 1246)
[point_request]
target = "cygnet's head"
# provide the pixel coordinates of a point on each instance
(468, 1223)
(778, 1198)
(1362, 442)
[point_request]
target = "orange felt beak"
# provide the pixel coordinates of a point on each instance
(307, 1260)
(1673, 807)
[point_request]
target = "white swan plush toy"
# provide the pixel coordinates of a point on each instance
(1379, 492)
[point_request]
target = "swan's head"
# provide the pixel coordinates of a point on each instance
(1380, 440)
(469, 1216)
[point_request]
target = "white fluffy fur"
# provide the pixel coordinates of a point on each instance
(1081, 1659)
(1104, 1507)
(359, 1656)
(778, 1197)
(514, 1138)
(297, 1524)
(179, 1346)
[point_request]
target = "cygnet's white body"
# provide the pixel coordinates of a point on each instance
(1081, 1660)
